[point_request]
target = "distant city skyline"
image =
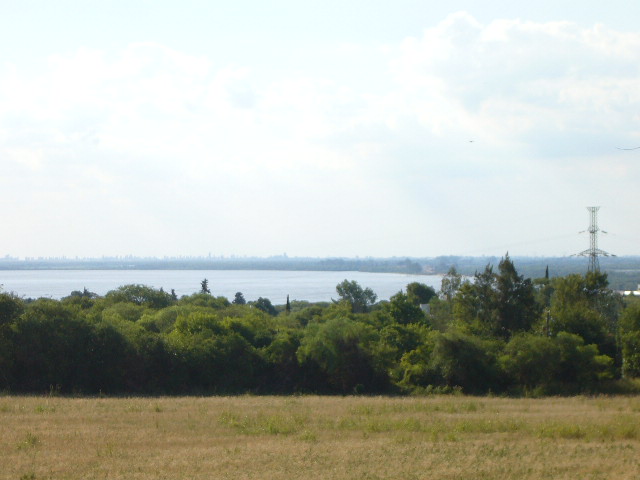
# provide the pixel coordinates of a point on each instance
(333, 129)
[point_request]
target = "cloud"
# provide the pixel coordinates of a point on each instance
(502, 81)
(147, 138)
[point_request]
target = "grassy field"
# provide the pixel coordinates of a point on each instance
(444, 437)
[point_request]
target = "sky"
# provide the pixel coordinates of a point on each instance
(318, 128)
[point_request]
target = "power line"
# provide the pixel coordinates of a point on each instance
(593, 252)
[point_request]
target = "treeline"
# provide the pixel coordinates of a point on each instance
(623, 272)
(499, 333)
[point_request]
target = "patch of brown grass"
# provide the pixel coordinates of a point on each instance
(248, 437)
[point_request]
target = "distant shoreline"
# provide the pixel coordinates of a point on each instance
(623, 272)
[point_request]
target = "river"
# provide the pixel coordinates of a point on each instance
(275, 285)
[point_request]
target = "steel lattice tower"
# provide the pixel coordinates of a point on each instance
(593, 252)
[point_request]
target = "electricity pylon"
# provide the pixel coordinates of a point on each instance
(593, 252)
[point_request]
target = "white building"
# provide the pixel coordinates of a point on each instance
(635, 293)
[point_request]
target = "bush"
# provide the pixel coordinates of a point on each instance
(466, 361)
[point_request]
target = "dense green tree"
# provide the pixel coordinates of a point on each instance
(196, 323)
(111, 363)
(308, 314)
(416, 370)
(419, 293)
(138, 339)
(561, 364)
(255, 326)
(342, 351)
(161, 321)
(204, 287)
(52, 346)
(450, 284)
(630, 343)
(205, 362)
(517, 309)
(265, 305)
(83, 293)
(475, 304)
(10, 309)
(583, 305)
(466, 361)
(440, 315)
(239, 299)
(396, 340)
(581, 366)
(497, 304)
(140, 295)
(83, 299)
(285, 374)
(531, 361)
(630, 338)
(204, 300)
(450, 360)
(402, 310)
(352, 293)
(123, 311)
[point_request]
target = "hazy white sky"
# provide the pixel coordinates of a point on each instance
(318, 128)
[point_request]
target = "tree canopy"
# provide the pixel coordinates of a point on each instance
(497, 332)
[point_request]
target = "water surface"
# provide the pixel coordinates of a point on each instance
(274, 285)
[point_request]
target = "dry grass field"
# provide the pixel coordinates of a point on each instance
(248, 437)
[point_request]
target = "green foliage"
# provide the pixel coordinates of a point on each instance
(630, 339)
(581, 365)
(400, 339)
(281, 356)
(403, 310)
(52, 346)
(10, 309)
(123, 311)
(198, 323)
(140, 295)
(239, 299)
(265, 305)
(419, 293)
(630, 317)
(583, 305)
(204, 300)
(342, 351)
(561, 364)
(466, 361)
(517, 307)
(530, 360)
(161, 321)
(501, 304)
(480, 336)
(307, 314)
(352, 293)
(450, 284)
(255, 327)
(213, 363)
(415, 369)
(631, 354)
